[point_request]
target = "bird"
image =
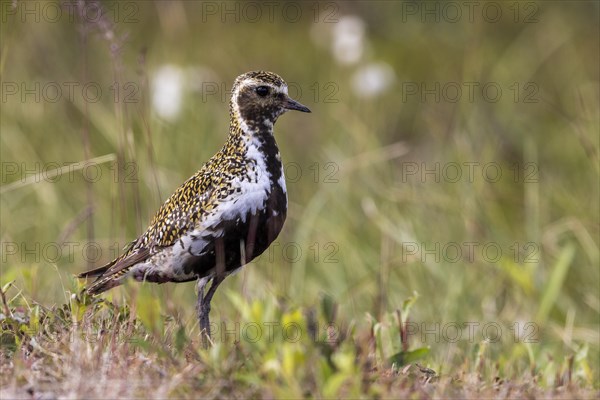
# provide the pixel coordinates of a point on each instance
(223, 216)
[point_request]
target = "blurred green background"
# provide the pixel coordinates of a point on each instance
(452, 151)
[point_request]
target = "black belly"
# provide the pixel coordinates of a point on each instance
(242, 241)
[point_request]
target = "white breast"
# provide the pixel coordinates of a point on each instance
(254, 189)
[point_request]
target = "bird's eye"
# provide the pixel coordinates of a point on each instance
(262, 91)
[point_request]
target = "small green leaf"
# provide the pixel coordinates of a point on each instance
(408, 357)
(406, 306)
(555, 282)
(329, 307)
(180, 339)
(5, 287)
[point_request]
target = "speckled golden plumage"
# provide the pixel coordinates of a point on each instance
(238, 198)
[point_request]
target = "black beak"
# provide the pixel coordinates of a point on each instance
(290, 104)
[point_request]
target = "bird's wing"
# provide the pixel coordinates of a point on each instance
(178, 214)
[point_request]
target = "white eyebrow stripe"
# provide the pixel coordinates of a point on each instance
(248, 82)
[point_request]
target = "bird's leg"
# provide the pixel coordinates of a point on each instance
(203, 305)
(201, 309)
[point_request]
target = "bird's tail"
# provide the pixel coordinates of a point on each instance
(113, 273)
(103, 282)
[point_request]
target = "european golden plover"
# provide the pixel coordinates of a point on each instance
(226, 214)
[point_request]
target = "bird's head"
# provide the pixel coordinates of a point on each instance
(260, 97)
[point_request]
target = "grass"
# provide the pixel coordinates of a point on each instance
(92, 348)
(401, 278)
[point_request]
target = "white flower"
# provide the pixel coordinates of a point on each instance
(372, 79)
(167, 91)
(348, 40)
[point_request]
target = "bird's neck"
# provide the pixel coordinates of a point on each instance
(243, 135)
